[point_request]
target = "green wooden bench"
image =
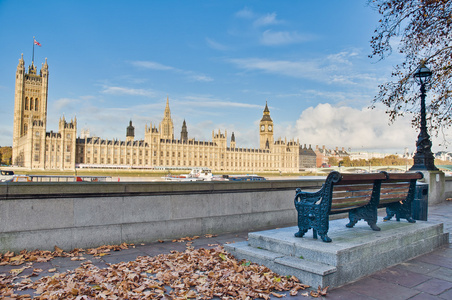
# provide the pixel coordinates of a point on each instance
(358, 194)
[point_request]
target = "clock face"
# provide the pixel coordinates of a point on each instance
(270, 127)
(262, 128)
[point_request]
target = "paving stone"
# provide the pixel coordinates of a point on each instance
(400, 276)
(424, 296)
(126, 257)
(418, 266)
(379, 289)
(446, 295)
(436, 260)
(434, 286)
(442, 273)
(344, 294)
(444, 251)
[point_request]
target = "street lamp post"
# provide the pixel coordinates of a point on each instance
(423, 158)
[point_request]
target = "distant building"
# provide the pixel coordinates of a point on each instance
(323, 154)
(35, 148)
(308, 158)
(444, 155)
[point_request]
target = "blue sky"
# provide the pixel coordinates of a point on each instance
(217, 61)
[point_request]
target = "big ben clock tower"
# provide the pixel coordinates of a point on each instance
(266, 129)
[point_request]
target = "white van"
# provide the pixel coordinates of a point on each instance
(6, 175)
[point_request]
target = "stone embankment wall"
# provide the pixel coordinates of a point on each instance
(448, 187)
(85, 214)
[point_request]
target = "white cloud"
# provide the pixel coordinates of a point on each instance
(204, 78)
(151, 65)
(268, 19)
(275, 38)
(215, 45)
(353, 128)
(206, 101)
(116, 90)
(191, 75)
(64, 103)
(245, 13)
(342, 68)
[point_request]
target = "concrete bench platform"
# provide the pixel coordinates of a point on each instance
(354, 253)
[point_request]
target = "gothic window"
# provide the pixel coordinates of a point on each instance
(36, 104)
(25, 128)
(26, 103)
(31, 103)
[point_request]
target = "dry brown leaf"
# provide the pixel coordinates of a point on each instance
(322, 292)
(16, 271)
(314, 294)
(58, 250)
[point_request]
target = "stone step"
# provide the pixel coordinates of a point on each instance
(353, 253)
(308, 272)
(348, 244)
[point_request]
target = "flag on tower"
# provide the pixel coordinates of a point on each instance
(37, 43)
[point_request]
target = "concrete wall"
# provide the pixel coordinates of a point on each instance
(448, 187)
(81, 215)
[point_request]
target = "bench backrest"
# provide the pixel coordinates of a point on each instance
(355, 190)
(398, 187)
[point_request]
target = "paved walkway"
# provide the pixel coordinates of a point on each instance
(426, 277)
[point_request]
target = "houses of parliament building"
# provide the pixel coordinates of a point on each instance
(36, 148)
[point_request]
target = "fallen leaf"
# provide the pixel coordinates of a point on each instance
(16, 271)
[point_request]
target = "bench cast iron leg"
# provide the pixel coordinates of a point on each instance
(301, 232)
(400, 211)
(368, 213)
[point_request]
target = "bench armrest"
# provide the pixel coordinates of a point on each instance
(307, 197)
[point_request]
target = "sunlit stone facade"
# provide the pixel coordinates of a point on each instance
(34, 148)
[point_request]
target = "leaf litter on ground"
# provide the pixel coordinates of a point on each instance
(191, 274)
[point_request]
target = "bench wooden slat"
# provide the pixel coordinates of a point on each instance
(347, 206)
(350, 199)
(404, 176)
(391, 185)
(363, 177)
(350, 182)
(348, 192)
(353, 187)
(396, 190)
(392, 199)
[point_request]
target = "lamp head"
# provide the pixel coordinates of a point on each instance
(422, 74)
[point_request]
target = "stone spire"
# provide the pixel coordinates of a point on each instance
(166, 127)
(184, 132)
(130, 132)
